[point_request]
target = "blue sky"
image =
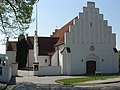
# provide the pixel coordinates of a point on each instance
(56, 13)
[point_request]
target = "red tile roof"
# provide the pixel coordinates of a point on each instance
(60, 32)
(46, 44)
(11, 46)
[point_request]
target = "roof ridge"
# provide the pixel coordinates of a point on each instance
(57, 30)
(62, 30)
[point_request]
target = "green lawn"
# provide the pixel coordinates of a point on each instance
(71, 81)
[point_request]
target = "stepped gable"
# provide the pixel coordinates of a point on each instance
(60, 32)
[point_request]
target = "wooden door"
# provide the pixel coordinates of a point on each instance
(90, 67)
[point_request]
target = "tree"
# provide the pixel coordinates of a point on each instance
(22, 51)
(15, 16)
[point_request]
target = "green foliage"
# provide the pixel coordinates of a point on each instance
(22, 51)
(21, 37)
(15, 16)
(71, 81)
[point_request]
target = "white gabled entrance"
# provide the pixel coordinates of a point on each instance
(90, 67)
(92, 63)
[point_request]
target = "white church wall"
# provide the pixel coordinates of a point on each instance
(30, 58)
(14, 69)
(44, 60)
(109, 60)
(54, 59)
(11, 57)
(68, 64)
(114, 40)
(12, 62)
(91, 30)
(66, 68)
(63, 67)
(78, 63)
(58, 55)
(61, 58)
(48, 70)
(61, 47)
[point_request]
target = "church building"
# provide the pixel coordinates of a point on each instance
(82, 46)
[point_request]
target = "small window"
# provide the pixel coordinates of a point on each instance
(115, 50)
(68, 50)
(91, 24)
(46, 60)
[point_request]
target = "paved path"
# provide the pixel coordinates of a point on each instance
(27, 81)
(2, 86)
(27, 76)
(41, 80)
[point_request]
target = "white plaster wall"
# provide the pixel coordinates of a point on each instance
(61, 47)
(41, 60)
(14, 69)
(48, 70)
(54, 59)
(56, 56)
(91, 30)
(111, 62)
(66, 70)
(77, 55)
(114, 39)
(11, 57)
(6, 74)
(109, 65)
(30, 58)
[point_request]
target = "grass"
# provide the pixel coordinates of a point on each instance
(72, 81)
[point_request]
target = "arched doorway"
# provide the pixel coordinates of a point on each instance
(90, 67)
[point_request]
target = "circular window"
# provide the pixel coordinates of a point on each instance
(92, 48)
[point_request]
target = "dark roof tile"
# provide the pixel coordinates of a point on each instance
(30, 42)
(11, 46)
(46, 45)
